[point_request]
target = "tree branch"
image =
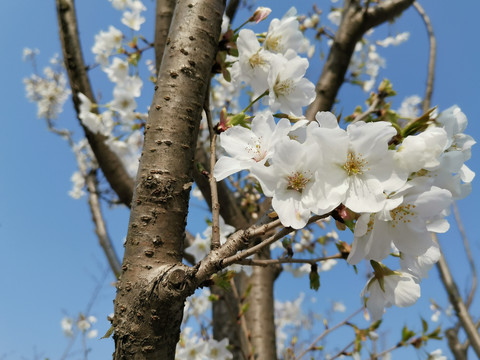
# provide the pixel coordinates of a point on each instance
(111, 166)
(270, 262)
(231, 9)
(100, 227)
(163, 19)
(468, 252)
(326, 332)
(431, 59)
(456, 300)
(153, 287)
(356, 21)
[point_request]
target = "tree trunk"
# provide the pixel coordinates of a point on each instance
(151, 291)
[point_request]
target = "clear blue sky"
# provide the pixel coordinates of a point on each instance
(50, 261)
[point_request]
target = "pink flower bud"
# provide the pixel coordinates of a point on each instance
(260, 14)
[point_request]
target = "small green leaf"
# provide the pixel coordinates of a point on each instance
(424, 326)
(435, 334)
(314, 278)
(108, 333)
(407, 334)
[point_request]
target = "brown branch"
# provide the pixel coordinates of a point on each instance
(231, 9)
(111, 166)
(468, 251)
(215, 243)
(153, 286)
(431, 59)
(243, 321)
(100, 227)
(457, 302)
(260, 315)
(270, 262)
(356, 21)
(372, 108)
(163, 19)
(259, 231)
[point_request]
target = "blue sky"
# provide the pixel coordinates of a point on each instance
(50, 261)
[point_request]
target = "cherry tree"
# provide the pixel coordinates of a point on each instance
(235, 118)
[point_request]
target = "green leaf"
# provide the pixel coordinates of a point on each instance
(108, 333)
(424, 326)
(244, 308)
(314, 278)
(223, 279)
(407, 334)
(435, 334)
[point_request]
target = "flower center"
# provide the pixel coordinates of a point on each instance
(256, 60)
(272, 43)
(355, 164)
(255, 148)
(284, 87)
(298, 181)
(403, 213)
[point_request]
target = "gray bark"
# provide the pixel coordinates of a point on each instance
(151, 290)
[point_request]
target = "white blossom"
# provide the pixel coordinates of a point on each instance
(249, 148)
(394, 40)
(406, 220)
(78, 181)
(105, 43)
(284, 35)
(49, 92)
(253, 64)
(399, 289)
(289, 90)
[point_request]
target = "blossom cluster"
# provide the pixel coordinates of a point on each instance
(192, 347)
(82, 324)
(274, 67)
(49, 91)
(397, 184)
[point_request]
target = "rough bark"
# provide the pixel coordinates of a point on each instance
(151, 290)
(356, 21)
(225, 310)
(111, 165)
(260, 314)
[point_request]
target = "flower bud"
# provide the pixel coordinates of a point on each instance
(260, 14)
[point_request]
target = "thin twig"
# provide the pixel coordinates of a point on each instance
(468, 251)
(374, 107)
(255, 262)
(342, 352)
(457, 302)
(326, 332)
(215, 244)
(432, 56)
(100, 227)
(254, 249)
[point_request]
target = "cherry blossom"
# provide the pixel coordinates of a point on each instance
(389, 288)
(249, 148)
(406, 220)
(289, 91)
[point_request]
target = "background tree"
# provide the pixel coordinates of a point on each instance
(64, 8)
